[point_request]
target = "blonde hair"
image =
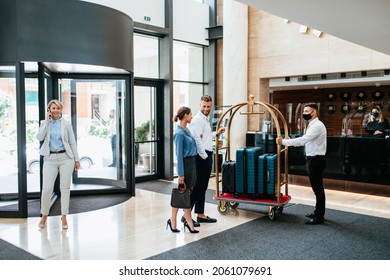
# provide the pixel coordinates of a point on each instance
(56, 102)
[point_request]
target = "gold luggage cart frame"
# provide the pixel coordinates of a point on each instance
(227, 201)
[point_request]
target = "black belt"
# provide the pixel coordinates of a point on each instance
(209, 152)
(58, 152)
(315, 156)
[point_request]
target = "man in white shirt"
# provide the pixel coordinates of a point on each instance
(314, 141)
(201, 130)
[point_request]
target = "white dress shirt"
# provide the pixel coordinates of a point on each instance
(201, 130)
(314, 139)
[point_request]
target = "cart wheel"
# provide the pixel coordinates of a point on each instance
(233, 205)
(223, 207)
(271, 212)
(279, 209)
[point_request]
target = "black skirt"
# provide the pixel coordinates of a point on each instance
(190, 172)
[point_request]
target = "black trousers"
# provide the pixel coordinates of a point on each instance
(203, 172)
(315, 168)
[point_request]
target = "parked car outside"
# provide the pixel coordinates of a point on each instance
(91, 150)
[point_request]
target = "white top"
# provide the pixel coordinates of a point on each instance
(314, 139)
(201, 130)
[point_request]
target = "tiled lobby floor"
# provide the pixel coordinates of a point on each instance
(136, 229)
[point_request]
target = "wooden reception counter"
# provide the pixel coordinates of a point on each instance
(352, 163)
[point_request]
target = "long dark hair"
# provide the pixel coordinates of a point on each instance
(183, 110)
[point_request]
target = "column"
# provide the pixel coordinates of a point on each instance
(235, 66)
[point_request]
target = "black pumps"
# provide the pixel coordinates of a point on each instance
(186, 225)
(170, 226)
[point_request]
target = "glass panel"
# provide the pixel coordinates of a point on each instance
(186, 94)
(145, 130)
(187, 62)
(97, 126)
(32, 127)
(121, 93)
(146, 56)
(8, 136)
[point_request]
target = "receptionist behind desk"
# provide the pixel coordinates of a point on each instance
(375, 123)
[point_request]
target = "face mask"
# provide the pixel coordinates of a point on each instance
(306, 116)
(375, 115)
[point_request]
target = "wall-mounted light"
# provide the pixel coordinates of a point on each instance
(317, 33)
(303, 29)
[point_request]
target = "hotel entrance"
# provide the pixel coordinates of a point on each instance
(99, 110)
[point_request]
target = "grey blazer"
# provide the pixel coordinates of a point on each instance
(67, 136)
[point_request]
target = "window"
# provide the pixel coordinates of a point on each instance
(187, 62)
(146, 56)
(188, 82)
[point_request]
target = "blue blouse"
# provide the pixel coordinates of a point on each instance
(55, 136)
(185, 147)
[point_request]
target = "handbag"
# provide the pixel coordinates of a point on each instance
(181, 197)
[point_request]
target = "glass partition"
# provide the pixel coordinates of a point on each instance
(96, 108)
(145, 130)
(32, 127)
(8, 138)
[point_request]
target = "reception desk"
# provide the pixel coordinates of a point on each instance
(364, 159)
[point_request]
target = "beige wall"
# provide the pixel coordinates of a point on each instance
(278, 49)
(284, 51)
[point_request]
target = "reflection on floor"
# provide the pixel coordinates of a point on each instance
(136, 229)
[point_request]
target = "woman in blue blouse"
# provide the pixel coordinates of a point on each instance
(60, 156)
(186, 170)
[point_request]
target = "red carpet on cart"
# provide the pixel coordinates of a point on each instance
(244, 198)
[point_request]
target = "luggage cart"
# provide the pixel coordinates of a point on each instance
(229, 201)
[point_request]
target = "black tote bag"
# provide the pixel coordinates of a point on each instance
(181, 197)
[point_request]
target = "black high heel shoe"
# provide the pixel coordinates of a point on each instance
(186, 225)
(170, 226)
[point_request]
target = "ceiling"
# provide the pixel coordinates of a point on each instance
(363, 22)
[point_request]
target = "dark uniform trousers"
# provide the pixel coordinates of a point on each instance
(203, 172)
(315, 166)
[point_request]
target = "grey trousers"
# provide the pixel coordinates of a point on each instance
(52, 165)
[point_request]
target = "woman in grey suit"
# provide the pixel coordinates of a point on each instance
(60, 156)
